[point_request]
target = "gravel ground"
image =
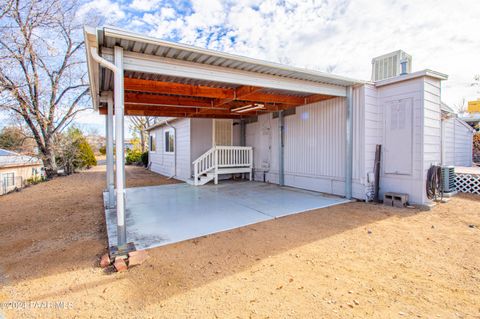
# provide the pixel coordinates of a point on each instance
(352, 260)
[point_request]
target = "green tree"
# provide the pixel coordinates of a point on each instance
(74, 152)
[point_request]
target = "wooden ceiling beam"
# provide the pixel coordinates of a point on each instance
(159, 87)
(165, 99)
(240, 94)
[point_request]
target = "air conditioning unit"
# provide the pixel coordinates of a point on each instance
(448, 179)
(390, 65)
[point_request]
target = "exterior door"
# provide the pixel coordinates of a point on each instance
(222, 132)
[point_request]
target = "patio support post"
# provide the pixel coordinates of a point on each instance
(109, 151)
(349, 144)
(281, 171)
(119, 143)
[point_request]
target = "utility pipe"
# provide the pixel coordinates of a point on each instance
(109, 149)
(349, 144)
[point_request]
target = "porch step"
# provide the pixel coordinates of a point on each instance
(204, 179)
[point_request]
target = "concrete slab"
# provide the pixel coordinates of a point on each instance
(166, 214)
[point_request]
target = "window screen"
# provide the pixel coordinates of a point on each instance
(152, 143)
(9, 179)
(169, 142)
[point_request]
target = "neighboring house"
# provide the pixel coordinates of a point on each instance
(16, 169)
(402, 112)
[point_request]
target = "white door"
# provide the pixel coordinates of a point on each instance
(222, 132)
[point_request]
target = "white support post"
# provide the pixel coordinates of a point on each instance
(119, 149)
(349, 144)
(109, 151)
(281, 170)
(250, 158)
(216, 165)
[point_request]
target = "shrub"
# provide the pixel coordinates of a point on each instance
(102, 150)
(87, 157)
(73, 151)
(145, 159)
(133, 157)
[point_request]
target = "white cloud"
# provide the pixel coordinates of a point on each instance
(110, 11)
(341, 36)
(144, 5)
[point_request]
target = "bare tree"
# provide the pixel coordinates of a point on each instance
(42, 73)
(461, 106)
(476, 81)
(140, 124)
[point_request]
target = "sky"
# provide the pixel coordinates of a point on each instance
(340, 37)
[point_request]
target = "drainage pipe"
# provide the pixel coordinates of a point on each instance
(110, 158)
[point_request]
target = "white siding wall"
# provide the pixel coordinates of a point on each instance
(201, 130)
(457, 142)
(448, 141)
(411, 184)
(314, 146)
(432, 148)
(164, 163)
(463, 144)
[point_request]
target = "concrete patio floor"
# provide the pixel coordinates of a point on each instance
(166, 214)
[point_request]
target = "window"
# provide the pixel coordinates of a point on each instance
(169, 141)
(152, 143)
(9, 179)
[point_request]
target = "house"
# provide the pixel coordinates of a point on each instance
(16, 169)
(403, 113)
(229, 115)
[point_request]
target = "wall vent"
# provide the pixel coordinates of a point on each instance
(389, 65)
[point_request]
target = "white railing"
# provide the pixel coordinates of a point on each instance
(222, 157)
(234, 156)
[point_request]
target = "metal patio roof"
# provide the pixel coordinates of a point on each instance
(108, 37)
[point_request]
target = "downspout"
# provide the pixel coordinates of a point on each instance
(175, 149)
(117, 70)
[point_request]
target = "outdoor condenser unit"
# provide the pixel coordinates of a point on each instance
(448, 177)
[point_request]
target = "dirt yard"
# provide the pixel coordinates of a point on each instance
(354, 260)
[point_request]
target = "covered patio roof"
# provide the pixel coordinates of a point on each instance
(163, 78)
(133, 74)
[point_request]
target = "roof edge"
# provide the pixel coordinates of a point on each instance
(414, 75)
(128, 35)
(161, 123)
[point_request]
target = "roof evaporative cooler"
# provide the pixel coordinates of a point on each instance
(390, 65)
(448, 177)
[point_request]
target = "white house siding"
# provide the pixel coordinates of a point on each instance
(457, 142)
(463, 144)
(448, 147)
(432, 149)
(412, 183)
(315, 143)
(373, 132)
(201, 132)
(164, 163)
